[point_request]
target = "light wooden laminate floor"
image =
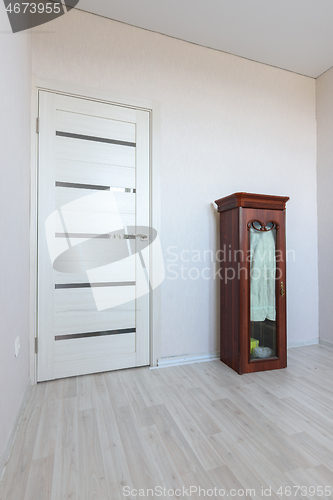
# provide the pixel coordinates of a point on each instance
(176, 428)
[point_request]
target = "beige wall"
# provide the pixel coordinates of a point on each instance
(227, 124)
(325, 202)
(15, 91)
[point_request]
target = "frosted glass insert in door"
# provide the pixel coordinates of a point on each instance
(263, 290)
(93, 200)
(263, 270)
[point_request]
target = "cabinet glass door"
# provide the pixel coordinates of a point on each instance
(263, 275)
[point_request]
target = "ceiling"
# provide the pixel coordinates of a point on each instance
(296, 35)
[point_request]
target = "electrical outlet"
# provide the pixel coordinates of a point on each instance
(17, 346)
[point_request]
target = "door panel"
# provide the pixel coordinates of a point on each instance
(68, 148)
(95, 126)
(70, 355)
(95, 173)
(121, 270)
(93, 194)
(124, 202)
(71, 319)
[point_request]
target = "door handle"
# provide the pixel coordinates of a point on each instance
(282, 289)
(143, 237)
(121, 236)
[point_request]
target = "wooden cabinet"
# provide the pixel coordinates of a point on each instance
(252, 259)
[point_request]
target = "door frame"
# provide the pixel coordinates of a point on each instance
(153, 108)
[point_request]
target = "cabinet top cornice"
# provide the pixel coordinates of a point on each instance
(251, 200)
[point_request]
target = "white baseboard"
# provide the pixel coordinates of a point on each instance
(200, 358)
(186, 359)
(4, 459)
(326, 343)
(301, 343)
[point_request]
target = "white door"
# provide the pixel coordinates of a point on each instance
(93, 237)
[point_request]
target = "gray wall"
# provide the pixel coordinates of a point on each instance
(15, 91)
(227, 124)
(325, 202)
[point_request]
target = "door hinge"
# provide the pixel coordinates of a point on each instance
(37, 125)
(36, 345)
